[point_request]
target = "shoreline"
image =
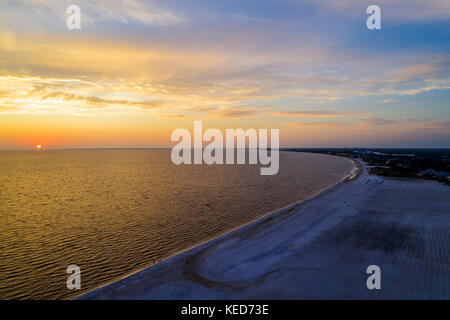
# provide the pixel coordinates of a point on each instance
(353, 174)
(319, 248)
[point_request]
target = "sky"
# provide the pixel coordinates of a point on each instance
(137, 70)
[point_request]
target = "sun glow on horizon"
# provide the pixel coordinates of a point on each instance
(129, 80)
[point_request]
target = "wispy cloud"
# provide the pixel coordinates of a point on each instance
(280, 61)
(313, 113)
(395, 10)
(223, 75)
(97, 12)
(316, 125)
(72, 96)
(370, 123)
(376, 121)
(222, 112)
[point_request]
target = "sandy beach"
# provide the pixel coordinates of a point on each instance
(317, 249)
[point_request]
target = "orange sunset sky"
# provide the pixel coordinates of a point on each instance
(137, 70)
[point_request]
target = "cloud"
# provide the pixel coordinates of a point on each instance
(237, 112)
(4, 107)
(199, 71)
(95, 12)
(394, 10)
(371, 123)
(313, 113)
(434, 125)
(223, 73)
(317, 125)
(97, 102)
(72, 96)
(223, 112)
(377, 121)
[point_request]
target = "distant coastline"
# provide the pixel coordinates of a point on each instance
(431, 163)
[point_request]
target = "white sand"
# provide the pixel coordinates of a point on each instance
(318, 249)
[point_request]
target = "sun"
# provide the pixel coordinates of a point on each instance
(38, 147)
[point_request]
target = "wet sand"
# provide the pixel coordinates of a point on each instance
(317, 249)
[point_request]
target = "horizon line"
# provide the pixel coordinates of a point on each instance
(168, 148)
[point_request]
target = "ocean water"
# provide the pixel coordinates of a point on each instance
(113, 211)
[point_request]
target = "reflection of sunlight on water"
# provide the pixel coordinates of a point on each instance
(113, 211)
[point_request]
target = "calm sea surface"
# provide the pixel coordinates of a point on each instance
(113, 211)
